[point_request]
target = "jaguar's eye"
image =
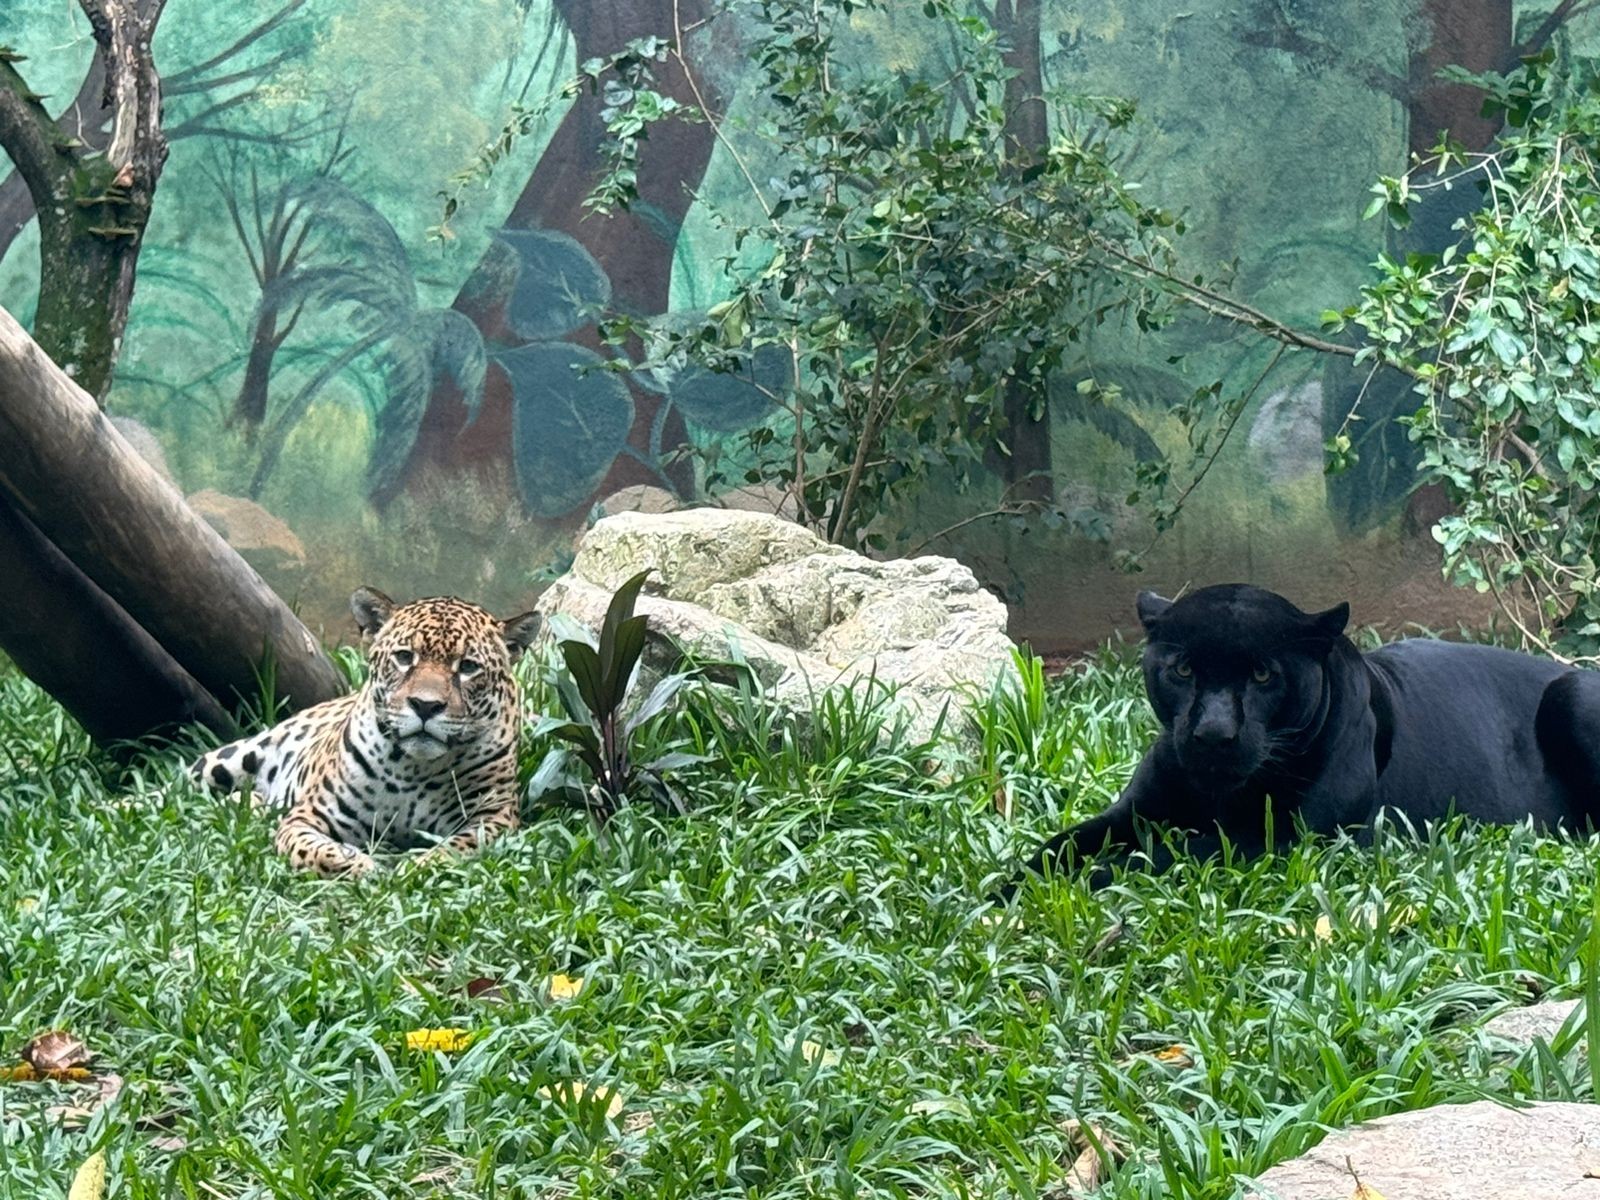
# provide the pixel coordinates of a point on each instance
(1262, 673)
(468, 666)
(1182, 670)
(404, 658)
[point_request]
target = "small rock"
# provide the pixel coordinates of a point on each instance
(1524, 1025)
(262, 540)
(1477, 1151)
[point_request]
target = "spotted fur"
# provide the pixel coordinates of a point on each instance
(424, 752)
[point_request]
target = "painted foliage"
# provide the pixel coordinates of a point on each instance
(416, 413)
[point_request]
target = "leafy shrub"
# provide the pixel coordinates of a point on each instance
(1501, 332)
(594, 692)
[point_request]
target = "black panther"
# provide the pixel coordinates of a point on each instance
(1268, 711)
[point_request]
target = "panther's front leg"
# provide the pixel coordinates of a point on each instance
(305, 841)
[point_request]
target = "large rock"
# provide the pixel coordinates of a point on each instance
(1522, 1026)
(803, 613)
(1478, 1151)
(264, 541)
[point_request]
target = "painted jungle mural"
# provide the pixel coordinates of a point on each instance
(355, 398)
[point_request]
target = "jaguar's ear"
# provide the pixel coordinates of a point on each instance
(1330, 624)
(1151, 609)
(520, 632)
(372, 609)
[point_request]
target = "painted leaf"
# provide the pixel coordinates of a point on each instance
(447, 1040)
(565, 987)
(727, 402)
(568, 426)
(559, 284)
(90, 1181)
(439, 344)
(576, 1091)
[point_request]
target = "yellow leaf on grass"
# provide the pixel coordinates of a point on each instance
(812, 1051)
(27, 904)
(1175, 1056)
(577, 1090)
(1324, 929)
(565, 987)
(449, 1041)
(90, 1181)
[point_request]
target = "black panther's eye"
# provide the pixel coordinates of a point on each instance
(1182, 670)
(467, 667)
(1262, 673)
(404, 658)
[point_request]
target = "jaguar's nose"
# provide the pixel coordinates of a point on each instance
(425, 706)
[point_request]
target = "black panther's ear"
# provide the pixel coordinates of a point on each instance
(371, 608)
(520, 632)
(1331, 624)
(1151, 609)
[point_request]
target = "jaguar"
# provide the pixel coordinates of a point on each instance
(423, 753)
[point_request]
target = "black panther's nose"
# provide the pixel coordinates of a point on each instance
(425, 707)
(1218, 725)
(1215, 733)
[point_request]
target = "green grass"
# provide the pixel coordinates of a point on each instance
(824, 889)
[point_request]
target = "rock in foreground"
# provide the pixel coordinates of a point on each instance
(1477, 1151)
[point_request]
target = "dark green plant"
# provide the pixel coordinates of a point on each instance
(594, 692)
(1501, 332)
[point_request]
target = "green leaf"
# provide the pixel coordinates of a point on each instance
(584, 665)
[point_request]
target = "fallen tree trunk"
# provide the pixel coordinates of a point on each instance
(74, 641)
(68, 470)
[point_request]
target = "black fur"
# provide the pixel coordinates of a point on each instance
(1266, 708)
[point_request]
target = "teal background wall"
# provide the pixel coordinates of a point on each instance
(402, 411)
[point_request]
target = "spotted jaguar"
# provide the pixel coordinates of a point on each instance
(425, 752)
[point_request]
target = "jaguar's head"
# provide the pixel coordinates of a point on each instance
(1238, 675)
(440, 670)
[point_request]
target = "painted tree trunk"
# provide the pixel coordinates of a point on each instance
(635, 249)
(1028, 469)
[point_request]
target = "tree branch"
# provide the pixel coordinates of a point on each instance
(30, 138)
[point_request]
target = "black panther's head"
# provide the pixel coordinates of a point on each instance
(1238, 675)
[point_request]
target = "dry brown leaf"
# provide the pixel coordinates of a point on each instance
(76, 1116)
(55, 1051)
(1087, 1170)
(169, 1144)
(485, 988)
(638, 1122)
